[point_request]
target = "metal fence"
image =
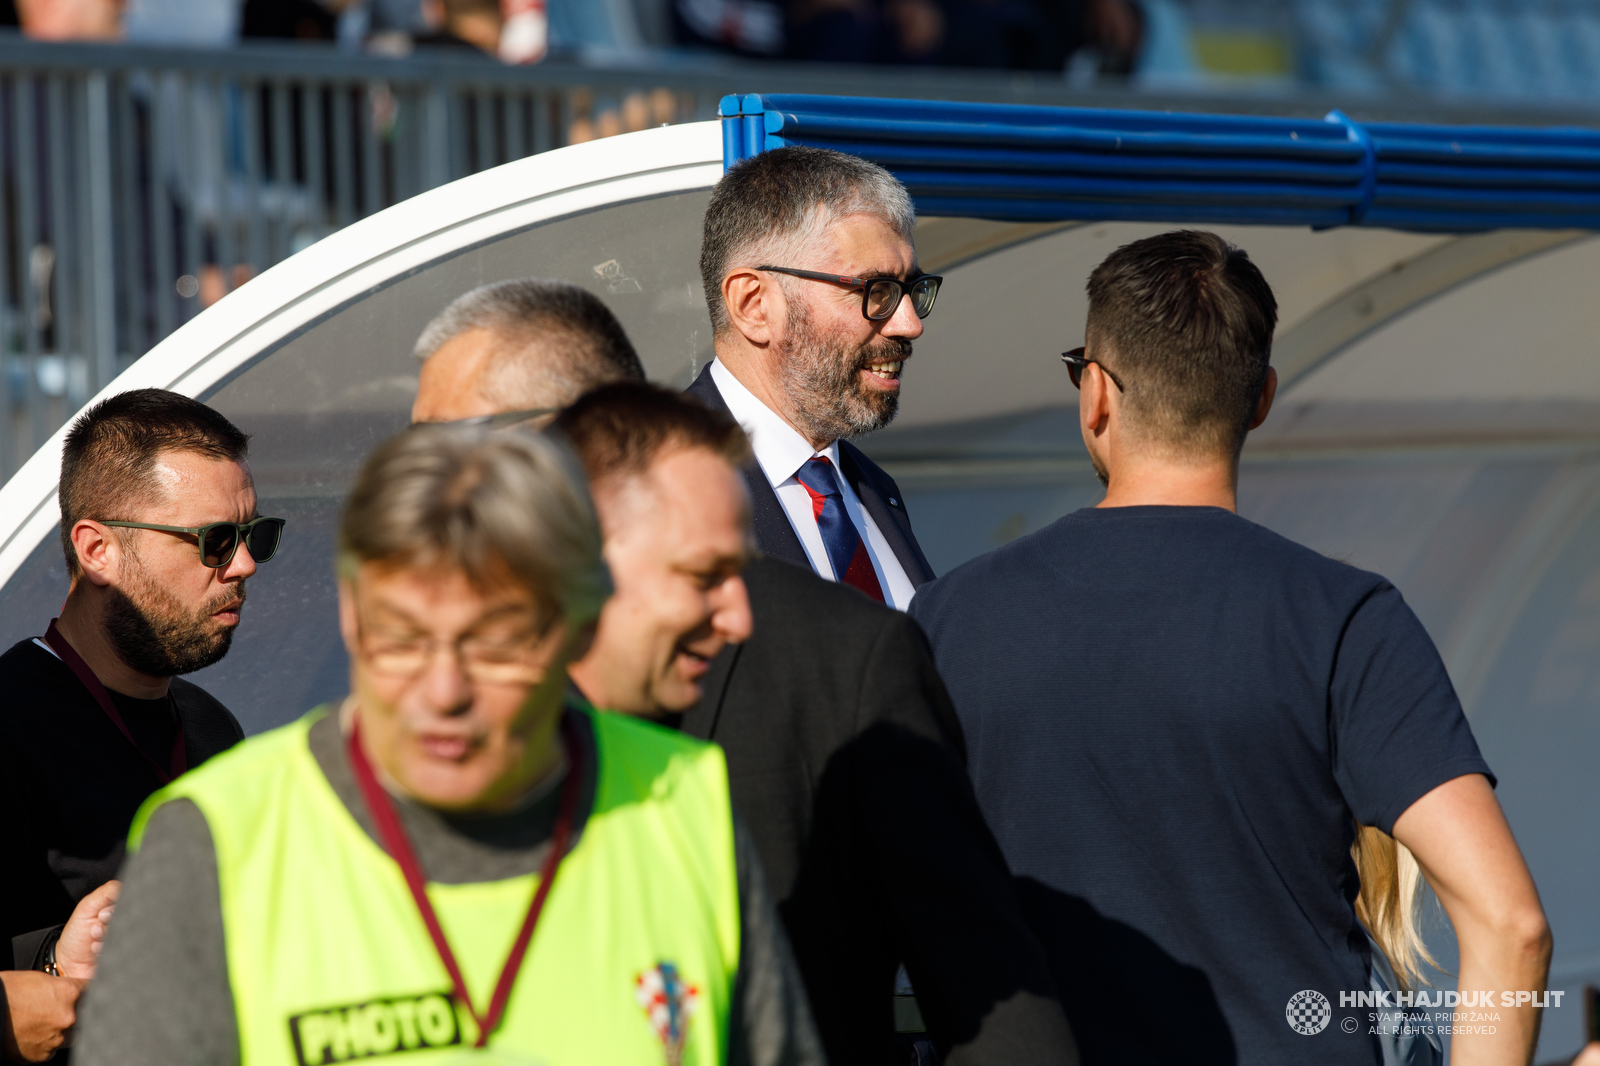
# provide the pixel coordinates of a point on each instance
(138, 185)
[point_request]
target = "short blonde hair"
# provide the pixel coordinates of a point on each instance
(461, 497)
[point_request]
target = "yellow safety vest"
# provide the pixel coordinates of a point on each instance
(330, 961)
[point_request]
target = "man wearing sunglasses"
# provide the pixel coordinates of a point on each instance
(160, 533)
(815, 299)
(1184, 716)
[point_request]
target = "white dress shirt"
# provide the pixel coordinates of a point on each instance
(781, 451)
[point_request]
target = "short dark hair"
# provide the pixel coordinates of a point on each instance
(109, 458)
(782, 195)
(1185, 319)
(618, 430)
(580, 342)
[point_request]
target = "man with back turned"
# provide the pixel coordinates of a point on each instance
(1176, 717)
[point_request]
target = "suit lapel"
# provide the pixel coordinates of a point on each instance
(892, 521)
(774, 535)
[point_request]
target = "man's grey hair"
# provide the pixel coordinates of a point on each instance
(770, 208)
(484, 503)
(560, 340)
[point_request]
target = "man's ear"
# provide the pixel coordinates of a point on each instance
(1269, 390)
(1094, 399)
(99, 552)
(753, 303)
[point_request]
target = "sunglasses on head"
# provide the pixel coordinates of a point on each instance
(219, 541)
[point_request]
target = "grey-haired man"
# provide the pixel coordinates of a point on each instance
(815, 298)
(527, 347)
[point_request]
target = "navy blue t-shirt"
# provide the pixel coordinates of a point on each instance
(1173, 717)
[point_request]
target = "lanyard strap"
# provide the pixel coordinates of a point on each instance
(398, 844)
(74, 661)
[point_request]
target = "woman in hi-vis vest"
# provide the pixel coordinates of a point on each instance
(461, 861)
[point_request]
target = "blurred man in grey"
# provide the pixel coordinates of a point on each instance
(844, 755)
(517, 351)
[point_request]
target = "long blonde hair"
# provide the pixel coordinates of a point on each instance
(1390, 903)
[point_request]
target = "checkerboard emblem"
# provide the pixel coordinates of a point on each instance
(1309, 1012)
(669, 1002)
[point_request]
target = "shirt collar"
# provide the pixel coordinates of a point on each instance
(778, 446)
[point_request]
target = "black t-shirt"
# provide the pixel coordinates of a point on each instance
(70, 783)
(1173, 715)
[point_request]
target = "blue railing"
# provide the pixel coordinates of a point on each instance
(1034, 163)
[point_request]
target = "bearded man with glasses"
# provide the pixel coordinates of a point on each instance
(815, 298)
(160, 533)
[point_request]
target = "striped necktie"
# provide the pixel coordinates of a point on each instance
(846, 550)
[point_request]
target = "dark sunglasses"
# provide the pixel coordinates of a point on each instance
(879, 296)
(219, 541)
(503, 420)
(1076, 361)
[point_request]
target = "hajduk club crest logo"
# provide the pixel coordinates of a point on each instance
(669, 1002)
(1308, 1012)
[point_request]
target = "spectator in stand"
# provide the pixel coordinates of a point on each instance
(69, 20)
(159, 528)
(743, 27)
(298, 20)
(1000, 34)
(462, 24)
(1177, 717)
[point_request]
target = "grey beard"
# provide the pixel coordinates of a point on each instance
(154, 634)
(820, 377)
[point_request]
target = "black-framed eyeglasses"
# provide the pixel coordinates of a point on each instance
(1076, 361)
(879, 296)
(219, 541)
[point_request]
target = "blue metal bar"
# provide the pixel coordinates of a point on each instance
(794, 126)
(1042, 186)
(898, 156)
(1391, 172)
(1019, 210)
(1369, 164)
(1032, 163)
(732, 131)
(886, 110)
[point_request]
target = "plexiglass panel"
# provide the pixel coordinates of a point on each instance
(318, 404)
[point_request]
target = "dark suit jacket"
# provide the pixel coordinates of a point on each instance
(875, 489)
(846, 763)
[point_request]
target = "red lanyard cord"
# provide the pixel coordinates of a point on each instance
(398, 845)
(69, 655)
